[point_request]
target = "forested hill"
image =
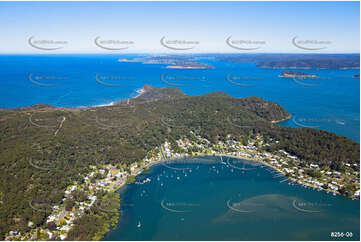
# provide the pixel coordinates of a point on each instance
(43, 149)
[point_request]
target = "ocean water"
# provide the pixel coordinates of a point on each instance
(205, 199)
(329, 103)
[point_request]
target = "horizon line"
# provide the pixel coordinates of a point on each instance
(192, 53)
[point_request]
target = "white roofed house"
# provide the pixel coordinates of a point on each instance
(50, 234)
(65, 228)
(51, 218)
(336, 173)
(357, 193)
(92, 199)
(15, 232)
(333, 187)
(102, 171)
(288, 170)
(122, 174)
(133, 166)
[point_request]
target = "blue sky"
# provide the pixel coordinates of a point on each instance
(143, 24)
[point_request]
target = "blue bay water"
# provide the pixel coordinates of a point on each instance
(209, 200)
(330, 103)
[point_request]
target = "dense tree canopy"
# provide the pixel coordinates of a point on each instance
(44, 149)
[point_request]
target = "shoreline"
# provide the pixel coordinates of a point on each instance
(189, 157)
(159, 162)
(281, 120)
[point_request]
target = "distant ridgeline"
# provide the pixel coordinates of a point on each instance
(298, 61)
(44, 149)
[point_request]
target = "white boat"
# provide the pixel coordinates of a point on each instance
(139, 224)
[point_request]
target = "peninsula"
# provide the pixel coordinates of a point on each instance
(172, 62)
(102, 148)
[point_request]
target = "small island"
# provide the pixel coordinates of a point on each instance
(294, 74)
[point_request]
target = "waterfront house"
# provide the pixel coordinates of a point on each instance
(357, 193)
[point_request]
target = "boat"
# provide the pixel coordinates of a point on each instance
(139, 224)
(341, 122)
